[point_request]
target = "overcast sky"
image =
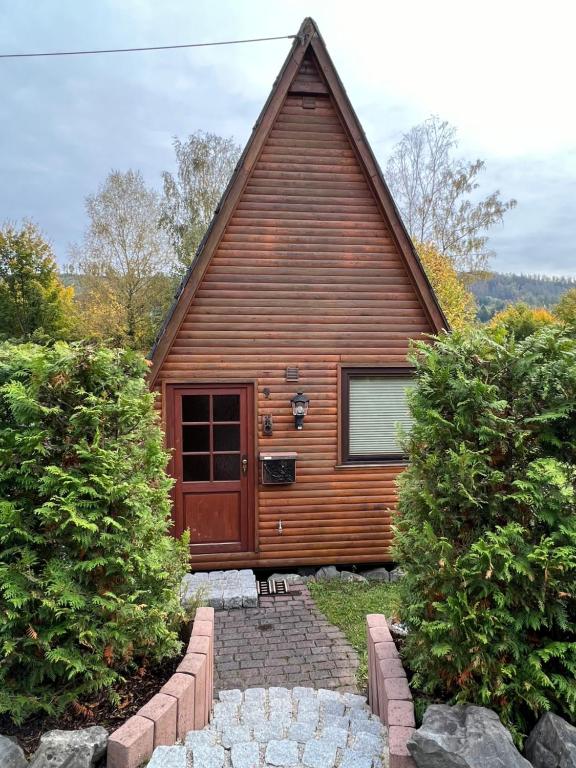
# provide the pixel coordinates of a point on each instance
(501, 71)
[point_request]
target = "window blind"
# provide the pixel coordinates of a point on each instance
(377, 406)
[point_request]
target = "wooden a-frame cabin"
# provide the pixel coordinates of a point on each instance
(306, 282)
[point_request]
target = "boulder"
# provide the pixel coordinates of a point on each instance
(396, 574)
(552, 743)
(397, 629)
(349, 576)
(376, 574)
(307, 570)
(307, 573)
(289, 578)
(71, 749)
(328, 573)
(11, 755)
(463, 736)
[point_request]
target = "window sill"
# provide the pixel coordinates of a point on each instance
(373, 464)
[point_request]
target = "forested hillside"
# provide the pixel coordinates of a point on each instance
(499, 290)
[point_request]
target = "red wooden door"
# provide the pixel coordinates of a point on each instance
(210, 431)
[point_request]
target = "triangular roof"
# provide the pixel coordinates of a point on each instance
(308, 39)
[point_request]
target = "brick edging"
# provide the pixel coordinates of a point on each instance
(183, 704)
(389, 695)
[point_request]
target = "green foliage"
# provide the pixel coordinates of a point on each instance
(89, 577)
(487, 526)
(32, 298)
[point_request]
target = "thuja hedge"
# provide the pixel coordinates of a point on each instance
(487, 524)
(88, 573)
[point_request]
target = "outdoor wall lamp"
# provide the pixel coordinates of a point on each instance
(299, 408)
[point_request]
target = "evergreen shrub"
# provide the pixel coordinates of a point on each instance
(486, 529)
(89, 575)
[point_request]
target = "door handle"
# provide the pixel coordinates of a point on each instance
(244, 465)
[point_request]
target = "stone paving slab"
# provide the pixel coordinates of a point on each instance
(222, 590)
(277, 739)
(285, 641)
(168, 757)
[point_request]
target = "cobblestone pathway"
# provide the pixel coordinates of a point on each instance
(286, 642)
(282, 727)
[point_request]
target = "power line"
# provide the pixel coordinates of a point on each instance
(150, 48)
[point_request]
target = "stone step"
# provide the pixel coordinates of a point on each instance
(286, 728)
(222, 590)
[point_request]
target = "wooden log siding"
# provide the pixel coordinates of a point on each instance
(306, 274)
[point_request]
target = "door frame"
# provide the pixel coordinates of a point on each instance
(169, 389)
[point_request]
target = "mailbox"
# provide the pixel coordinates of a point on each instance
(278, 468)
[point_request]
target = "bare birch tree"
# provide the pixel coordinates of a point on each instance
(437, 195)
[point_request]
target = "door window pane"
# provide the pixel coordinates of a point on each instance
(196, 439)
(195, 407)
(227, 466)
(195, 468)
(227, 437)
(226, 407)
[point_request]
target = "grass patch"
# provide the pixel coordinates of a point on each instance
(346, 604)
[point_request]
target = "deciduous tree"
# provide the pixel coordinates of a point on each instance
(124, 264)
(565, 310)
(520, 320)
(437, 195)
(456, 301)
(32, 298)
(205, 163)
